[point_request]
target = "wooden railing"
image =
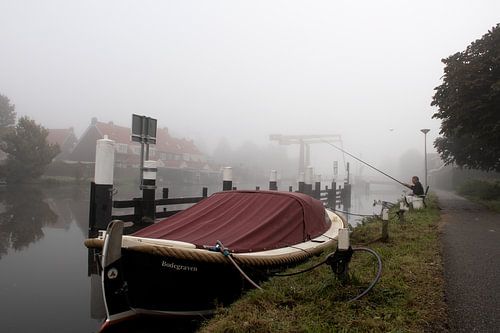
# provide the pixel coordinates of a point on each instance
(138, 205)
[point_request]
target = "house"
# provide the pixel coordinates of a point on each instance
(66, 140)
(170, 152)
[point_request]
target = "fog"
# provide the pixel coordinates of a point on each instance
(240, 70)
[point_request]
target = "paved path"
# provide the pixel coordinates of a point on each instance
(471, 252)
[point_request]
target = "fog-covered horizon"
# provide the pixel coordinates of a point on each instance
(239, 70)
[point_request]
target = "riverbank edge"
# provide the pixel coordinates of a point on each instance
(408, 298)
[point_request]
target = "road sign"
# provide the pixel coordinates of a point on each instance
(143, 129)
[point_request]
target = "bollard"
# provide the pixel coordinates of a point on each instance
(339, 202)
(273, 183)
(101, 190)
(346, 202)
(309, 176)
(385, 225)
(148, 191)
(339, 262)
(317, 187)
(302, 183)
(227, 179)
(165, 196)
(343, 239)
(332, 195)
(403, 208)
(290, 188)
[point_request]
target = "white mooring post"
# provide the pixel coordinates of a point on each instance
(101, 191)
(344, 251)
(385, 224)
(343, 239)
(227, 179)
(273, 180)
(104, 161)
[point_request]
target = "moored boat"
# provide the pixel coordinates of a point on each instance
(210, 253)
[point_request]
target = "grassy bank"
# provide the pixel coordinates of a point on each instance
(484, 192)
(408, 298)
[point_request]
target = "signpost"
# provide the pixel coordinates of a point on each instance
(143, 131)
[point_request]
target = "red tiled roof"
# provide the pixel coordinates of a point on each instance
(114, 132)
(164, 142)
(169, 144)
(59, 136)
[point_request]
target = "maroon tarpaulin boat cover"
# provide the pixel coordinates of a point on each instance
(245, 221)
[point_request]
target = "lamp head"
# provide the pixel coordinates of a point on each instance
(425, 130)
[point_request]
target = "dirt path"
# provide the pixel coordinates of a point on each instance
(471, 251)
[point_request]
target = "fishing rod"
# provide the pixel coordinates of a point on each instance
(371, 166)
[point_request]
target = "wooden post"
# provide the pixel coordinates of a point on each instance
(148, 191)
(164, 195)
(137, 210)
(339, 202)
(290, 188)
(302, 182)
(317, 187)
(332, 195)
(347, 196)
(204, 192)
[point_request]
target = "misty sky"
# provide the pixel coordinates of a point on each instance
(239, 69)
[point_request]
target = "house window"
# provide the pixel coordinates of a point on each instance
(152, 152)
(121, 148)
(136, 150)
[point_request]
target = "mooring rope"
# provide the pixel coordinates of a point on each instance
(377, 277)
(354, 214)
(228, 255)
(214, 257)
(336, 260)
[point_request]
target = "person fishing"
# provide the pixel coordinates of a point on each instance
(416, 186)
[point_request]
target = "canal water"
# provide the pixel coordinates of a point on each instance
(45, 285)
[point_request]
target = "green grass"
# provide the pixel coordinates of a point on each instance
(408, 298)
(483, 192)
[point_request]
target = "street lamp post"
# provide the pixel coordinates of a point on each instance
(425, 131)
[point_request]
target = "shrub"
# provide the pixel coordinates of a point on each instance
(481, 189)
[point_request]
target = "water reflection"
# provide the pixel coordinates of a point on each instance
(23, 215)
(46, 274)
(43, 282)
